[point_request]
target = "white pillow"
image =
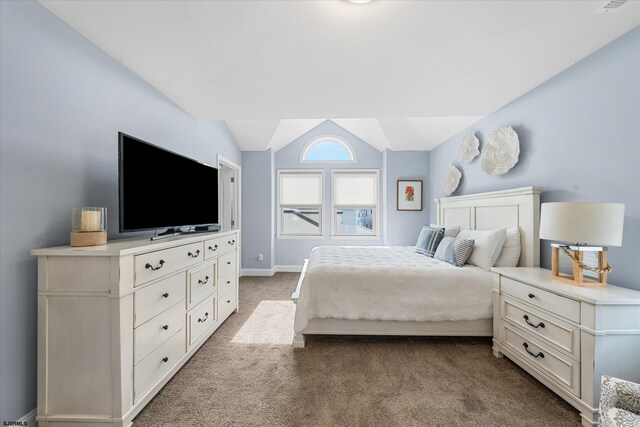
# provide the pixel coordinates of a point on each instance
(450, 231)
(511, 250)
(487, 246)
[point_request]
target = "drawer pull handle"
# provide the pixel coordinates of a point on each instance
(228, 262)
(526, 319)
(165, 359)
(526, 348)
(165, 327)
(149, 266)
(231, 242)
(229, 301)
(228, 282)
(206, 316)
(206, 280)
(531, 295)
(213, 248)
(165, 295)
(196, 255)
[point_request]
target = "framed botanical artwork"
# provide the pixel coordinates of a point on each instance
(409, 195)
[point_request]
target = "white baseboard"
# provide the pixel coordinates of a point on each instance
(268, 272)
(288, 268)
(28, 420)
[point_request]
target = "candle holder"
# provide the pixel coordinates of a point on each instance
(88, 226)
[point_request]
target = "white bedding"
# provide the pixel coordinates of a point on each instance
(390, 283)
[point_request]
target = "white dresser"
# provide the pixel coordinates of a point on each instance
(116, 322)
(566, 336)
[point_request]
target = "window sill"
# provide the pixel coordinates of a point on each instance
(311, 237)
(355, 237)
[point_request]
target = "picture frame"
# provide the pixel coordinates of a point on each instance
(409, 195)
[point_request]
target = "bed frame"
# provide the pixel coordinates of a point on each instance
(482, 211)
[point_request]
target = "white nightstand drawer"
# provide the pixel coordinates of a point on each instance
(557, 304)
(151, 334)
(157, 297)
(551, 330)
(201, 318)
(562, 370)
(219, 245)
(201, 282)
(156, 264)
(157, 364)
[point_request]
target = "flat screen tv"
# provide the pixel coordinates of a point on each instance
(159, 189)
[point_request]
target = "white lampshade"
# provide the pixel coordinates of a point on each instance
(579, 222)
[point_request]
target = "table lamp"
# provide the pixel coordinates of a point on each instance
(582, 224)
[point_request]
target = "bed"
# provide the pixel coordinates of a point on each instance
(387, 290)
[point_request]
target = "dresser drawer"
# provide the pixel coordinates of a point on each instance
(562, 370)
(202, 281)
(550, 330)
(157, 297)
(219, 245)
(153, 367)
(227, 303)
(559, 305)
(157, 330)
(156, 264)
(201, 318)
(227, 272)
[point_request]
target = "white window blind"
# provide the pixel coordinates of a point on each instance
(355, 189)
(300, 189)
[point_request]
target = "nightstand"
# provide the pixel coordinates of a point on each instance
(566, 336)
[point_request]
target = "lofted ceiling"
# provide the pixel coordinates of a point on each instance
(398, 74)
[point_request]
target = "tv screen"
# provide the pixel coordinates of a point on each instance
(160, 189)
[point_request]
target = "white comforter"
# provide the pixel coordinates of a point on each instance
(389, 283)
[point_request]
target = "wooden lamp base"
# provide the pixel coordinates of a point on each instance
(88, 238)
(577, 277)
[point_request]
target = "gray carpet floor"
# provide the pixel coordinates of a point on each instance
(246, 374)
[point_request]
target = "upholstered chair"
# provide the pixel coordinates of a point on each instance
(619, 403)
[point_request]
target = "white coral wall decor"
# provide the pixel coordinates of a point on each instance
(451, 179)
(469, 148)
(501, 152)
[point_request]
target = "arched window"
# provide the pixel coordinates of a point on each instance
(328, 148)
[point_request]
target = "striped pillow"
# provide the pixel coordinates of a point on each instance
(428, 240)
(458, 252)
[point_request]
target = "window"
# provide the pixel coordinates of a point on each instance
(327, 148)
(300, 203)
(355, 202)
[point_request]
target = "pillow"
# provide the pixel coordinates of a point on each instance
(487, 246)
(450, 231)
(442, 246)
(428, 240)
(458, 251)
(510, 254)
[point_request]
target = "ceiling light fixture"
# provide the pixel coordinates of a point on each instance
(359, 1)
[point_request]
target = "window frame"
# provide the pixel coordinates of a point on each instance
(325, 138)
(280, 207)
(376, 222)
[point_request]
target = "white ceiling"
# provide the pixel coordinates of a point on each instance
(398, 74)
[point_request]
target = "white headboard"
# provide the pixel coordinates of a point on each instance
(506, 208)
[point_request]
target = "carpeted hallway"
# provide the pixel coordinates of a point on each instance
(253, 377)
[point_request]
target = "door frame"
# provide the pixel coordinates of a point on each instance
(223, 161)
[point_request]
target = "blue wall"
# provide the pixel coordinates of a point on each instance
(397, 228)
(257, 209)
(294, 251)
(403, 227)
(62, 102)
(580, 140)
